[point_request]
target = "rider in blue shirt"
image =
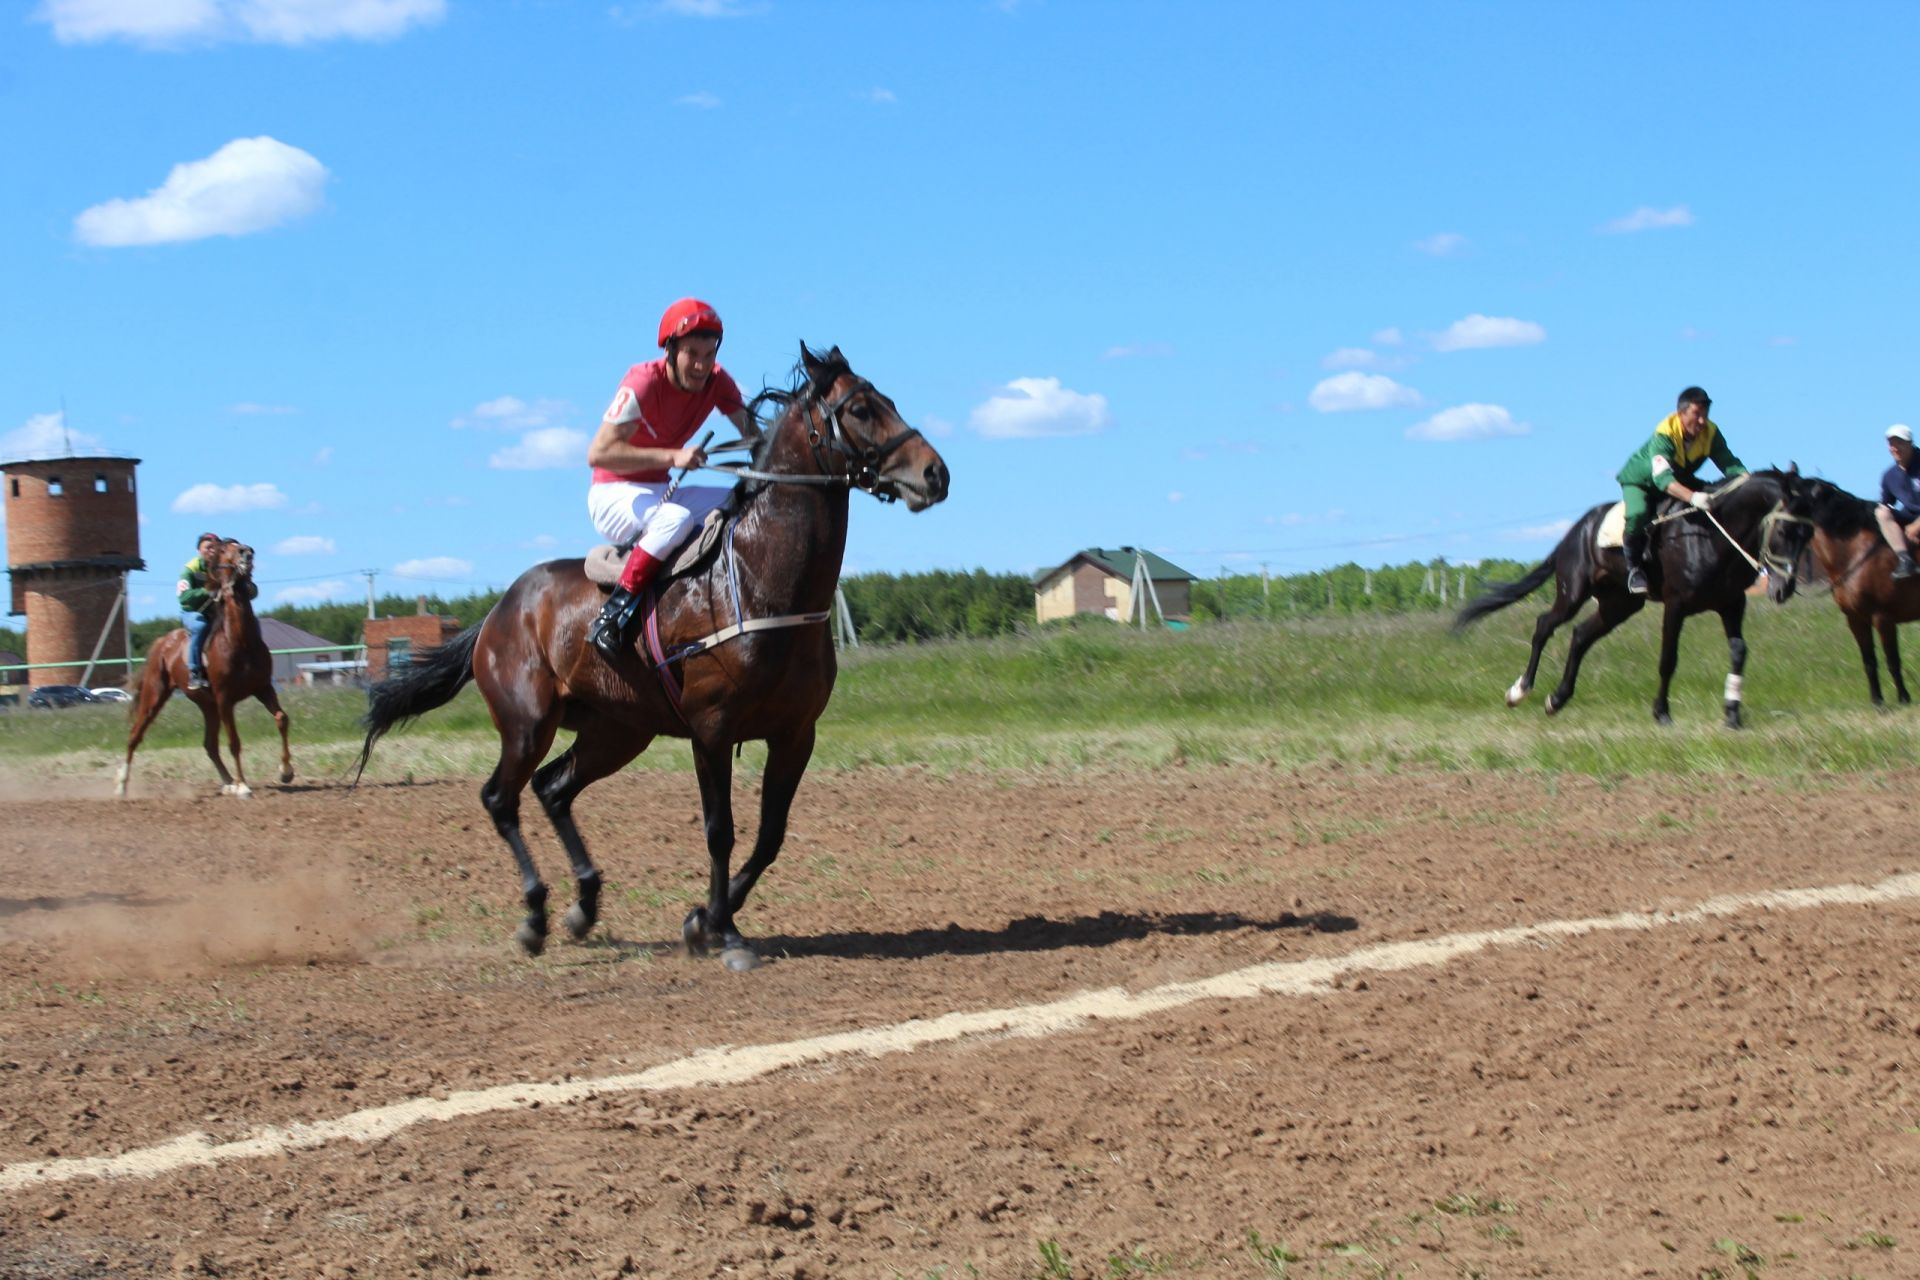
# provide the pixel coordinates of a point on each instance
(1899, 509)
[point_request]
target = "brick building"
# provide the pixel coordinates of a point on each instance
(1100, 580)
(394, 643)
(73, 534)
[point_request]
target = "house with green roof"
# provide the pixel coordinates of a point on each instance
(1100, 580)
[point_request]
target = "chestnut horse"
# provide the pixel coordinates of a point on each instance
(539, 674)
(1857, 561)
(1694, 566)
(238, 667)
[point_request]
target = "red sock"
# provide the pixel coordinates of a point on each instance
(639, 570)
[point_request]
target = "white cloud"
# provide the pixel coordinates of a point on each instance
(1176, 496)
(1028, 407)
(434, 567)
(708, 8)
(248, 408)
(511, 413)
(1388, 337)
(936, 426)
(312, 592)
(1649, 219)
(1468, 422)
(1137, 350)
(878, 96)
(1476, 331)
(43, 436)
(1350, 358)
(1442, 245)
(164, 23)
(1354, 390)
(703, 100)
(249, 185)
(1553, 529)
(304, 544)
(213, 500)
(323, 455)
(1783, 340)
(541, 541)
(542, 450)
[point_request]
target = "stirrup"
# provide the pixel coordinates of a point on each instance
(1903, 565)
(609, 633)
(196, 679)
(1637, 581)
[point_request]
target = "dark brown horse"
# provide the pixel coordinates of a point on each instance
(539, 674)
(1856, 560)
(1695, 566)
(238, 664)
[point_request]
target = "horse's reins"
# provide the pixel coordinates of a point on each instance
(1769, 524)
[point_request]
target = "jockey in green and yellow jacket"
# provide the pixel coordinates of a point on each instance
(1667, 463)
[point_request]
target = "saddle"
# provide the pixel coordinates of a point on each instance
(1613, 525)
(605, 562)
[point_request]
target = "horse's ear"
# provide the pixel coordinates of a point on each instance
(1793, 469)
(834, 357)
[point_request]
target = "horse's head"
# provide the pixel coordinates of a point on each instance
(1786, 529)
(856, 432)
(232, 563)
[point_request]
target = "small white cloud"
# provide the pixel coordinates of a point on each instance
(511, 413)
(249, 185)
(304, 544)
(937, 427)
(1553, 529)
(701, 101)
(1388, 337)
(312, 592)
(1137, 351)
(1442, 245)
(878, 96)
(1176, 496)
(44, 436)
(542, 450)
(1649, 219)
(215, 500)
(1692, 334)
(541, 541)
(248, 408)
(1350, 358)
(1353, 390)
(442, 567)
(1783, 340)
(1029, 407)
(166, 23)
(323, 456)
(708, 8)
(1468, 422)
(1476, 331)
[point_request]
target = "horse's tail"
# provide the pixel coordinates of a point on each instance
(422, 687)
(1501, 594)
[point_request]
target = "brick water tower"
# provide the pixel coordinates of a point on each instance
(73, 534)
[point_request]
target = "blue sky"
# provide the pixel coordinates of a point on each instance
(1280, 284)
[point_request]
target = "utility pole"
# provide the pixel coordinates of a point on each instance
(369, 573)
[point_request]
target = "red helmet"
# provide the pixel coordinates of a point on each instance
(689, 315)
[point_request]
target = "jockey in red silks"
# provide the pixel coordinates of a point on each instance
(645, 431)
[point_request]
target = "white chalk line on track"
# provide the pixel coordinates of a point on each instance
(731, 1065)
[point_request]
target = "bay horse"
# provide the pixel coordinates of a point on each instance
(238, 665)
(1693, 568)
(533, 664)
(1858, 563)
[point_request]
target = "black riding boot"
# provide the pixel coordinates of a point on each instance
(1903, 566)
(612, 632)
(1635, 547)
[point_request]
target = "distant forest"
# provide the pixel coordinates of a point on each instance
(910, 607)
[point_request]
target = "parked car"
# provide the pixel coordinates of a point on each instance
(112, 693)
(60, 695)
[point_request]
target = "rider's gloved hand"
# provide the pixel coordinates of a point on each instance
(1700, 498)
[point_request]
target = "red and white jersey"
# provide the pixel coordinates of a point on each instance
(661, 416)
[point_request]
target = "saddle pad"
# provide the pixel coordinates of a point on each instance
(605, 562)
(1613, 528)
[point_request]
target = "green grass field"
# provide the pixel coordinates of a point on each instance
(1382, 692)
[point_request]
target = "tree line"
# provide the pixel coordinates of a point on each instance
(890, 608)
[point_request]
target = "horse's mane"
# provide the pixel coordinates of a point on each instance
(832, 366)
(1839, 513)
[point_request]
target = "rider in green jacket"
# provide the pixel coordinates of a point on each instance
(1666, 463)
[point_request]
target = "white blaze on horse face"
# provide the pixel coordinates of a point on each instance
(624, 408)
(1733, 687)
(1518, 693)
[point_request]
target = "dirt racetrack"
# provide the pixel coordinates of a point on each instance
(1734, 1092)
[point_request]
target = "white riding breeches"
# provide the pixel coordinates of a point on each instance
(626, 513)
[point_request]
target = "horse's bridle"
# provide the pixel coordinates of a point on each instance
(827, 436)
(1770, 524)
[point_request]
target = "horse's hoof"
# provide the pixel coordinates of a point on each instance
(578, 926)
(238, 790)
(740, 959)
(532, 941)
(1518, 693)
(1733, 718)
(693, 932)
(1662, 719)
(1554, 704)
(286, 776)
